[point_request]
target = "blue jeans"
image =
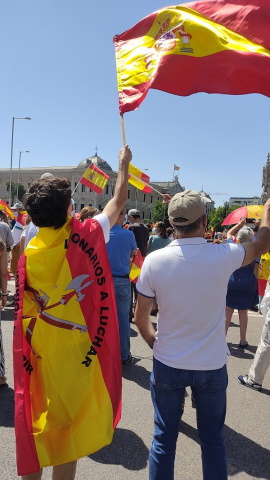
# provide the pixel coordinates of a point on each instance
(168, 390)
(122, 297)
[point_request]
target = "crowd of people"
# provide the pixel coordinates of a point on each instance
(179, 282)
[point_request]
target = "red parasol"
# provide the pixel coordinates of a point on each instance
(249, 211)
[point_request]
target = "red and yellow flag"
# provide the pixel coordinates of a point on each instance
(67, 363)
(94, 178)
(212, 46)
(139, 179)
(135, 267)
(4, 206)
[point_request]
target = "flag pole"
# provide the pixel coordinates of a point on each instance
(123, 129)
(75, 189)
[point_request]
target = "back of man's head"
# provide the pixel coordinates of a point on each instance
(186, 210)
(47, 201)
(134, 213)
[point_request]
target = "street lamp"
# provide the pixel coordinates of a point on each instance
(23, 151)
(10, 176)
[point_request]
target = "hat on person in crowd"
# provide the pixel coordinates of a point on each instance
(133, 213)
(18, 205)
(46, 175)
(186, 207)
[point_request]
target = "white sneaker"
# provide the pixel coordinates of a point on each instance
(247, 382)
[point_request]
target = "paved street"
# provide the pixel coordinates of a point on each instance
(246, 432)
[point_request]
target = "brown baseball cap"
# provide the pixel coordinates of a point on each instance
(186, 207)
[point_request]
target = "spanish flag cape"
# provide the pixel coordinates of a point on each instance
(67, 365)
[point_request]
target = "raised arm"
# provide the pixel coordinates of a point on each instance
(115, 205)
(262, 243)
(236, 227)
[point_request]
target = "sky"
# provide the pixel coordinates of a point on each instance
(58, 67)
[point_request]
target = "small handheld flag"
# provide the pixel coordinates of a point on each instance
(94, 178)
(4, 206)
(139, 179)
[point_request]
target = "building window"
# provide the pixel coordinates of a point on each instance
(100, 208)
(112, 190)
(83, 188)
(143, 215)
(82, 206)
(75, 185)
(150, 215)
(107, 189)
(151, 199)
(144, 197)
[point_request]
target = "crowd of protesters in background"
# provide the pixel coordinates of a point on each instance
(128, 235)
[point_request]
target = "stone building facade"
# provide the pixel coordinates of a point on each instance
(243, 201)
(82, 195)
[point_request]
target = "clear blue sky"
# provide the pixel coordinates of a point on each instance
(58, 67)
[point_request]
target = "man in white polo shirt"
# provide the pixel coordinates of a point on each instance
(189, 278)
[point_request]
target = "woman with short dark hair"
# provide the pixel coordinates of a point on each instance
(159, 239)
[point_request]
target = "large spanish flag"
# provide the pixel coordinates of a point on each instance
(67, 365)
(94, 178)
(139, 179)
(212, 46)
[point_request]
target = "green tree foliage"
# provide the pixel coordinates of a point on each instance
(160, 212)
(21, 191)
(217, 216)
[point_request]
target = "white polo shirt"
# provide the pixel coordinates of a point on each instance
(189, 277)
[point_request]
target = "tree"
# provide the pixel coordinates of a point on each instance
(160, 212)
(217, 216)
(21, 191)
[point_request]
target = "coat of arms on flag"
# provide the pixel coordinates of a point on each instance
(94, 178)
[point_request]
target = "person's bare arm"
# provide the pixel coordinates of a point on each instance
(262, 243)
(142, 319)
(115, 205)
(236, 227)
(3, 276)
(133, 253)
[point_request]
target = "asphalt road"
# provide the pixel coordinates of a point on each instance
(247, 431)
